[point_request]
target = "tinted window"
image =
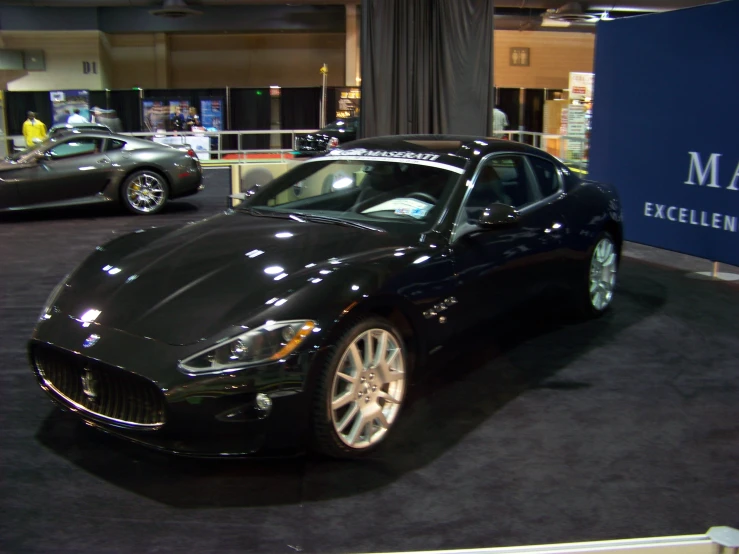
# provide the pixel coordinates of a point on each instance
(377, 191)
(546, 175)
(501, 179)
(115, 145)
(76, 147)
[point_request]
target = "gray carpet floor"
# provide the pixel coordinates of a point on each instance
(544, 431)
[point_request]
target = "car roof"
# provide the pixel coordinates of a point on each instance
(455, 150)
(72, 127)
(109, 135)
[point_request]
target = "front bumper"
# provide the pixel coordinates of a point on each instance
(130, 386)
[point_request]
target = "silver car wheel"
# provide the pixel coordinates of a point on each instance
(603, 267)
(368, 388)
(146, 192)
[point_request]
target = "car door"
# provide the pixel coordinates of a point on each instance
(74, 167)
(500, 268)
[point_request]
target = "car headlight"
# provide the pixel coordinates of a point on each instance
(270, 342)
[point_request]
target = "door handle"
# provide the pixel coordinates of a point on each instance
(104, 161)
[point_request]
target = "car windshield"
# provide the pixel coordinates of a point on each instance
(378, 193)
(341, 125)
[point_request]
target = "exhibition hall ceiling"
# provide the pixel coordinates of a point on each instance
(552, 15)
(595, 5)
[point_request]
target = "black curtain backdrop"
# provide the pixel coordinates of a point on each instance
(332, 102)
(98, 98)
(533, 110)
(427, 67)
(127, 105)
(251, 110)
(19, 103)
(299, 109)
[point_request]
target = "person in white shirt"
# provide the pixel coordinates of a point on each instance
(76, 118)
(500, 120)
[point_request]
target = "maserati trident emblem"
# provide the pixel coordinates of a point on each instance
(90, 341)
(89, 384)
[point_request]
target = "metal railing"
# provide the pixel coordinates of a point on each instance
(571, 150)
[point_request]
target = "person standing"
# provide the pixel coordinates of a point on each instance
(500, 120)
(193, 119)
(76, 118)
(34, 130)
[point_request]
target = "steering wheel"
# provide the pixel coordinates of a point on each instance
(422, 196)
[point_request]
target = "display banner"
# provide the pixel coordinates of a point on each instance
(64, 102)
(347, 102)
(156, 114)
(665, 140)
(581, 85)
(211, 113)
(165, 114)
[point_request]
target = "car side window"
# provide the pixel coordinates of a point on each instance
(546, 175)
(115, 145)
(501, 179)
(75, 147)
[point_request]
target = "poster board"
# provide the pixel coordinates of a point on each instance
(64, 102)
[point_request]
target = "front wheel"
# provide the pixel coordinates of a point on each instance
(596, 283)
(360, 390)
(144, 192)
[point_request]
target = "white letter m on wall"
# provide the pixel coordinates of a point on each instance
(697, 170)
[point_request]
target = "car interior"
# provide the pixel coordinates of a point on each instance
(361, 187)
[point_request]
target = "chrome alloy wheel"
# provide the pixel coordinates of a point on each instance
(603, 266)
(145, 193)
(368, 388)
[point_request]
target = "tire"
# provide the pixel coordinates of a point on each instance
(357, 400)
(144, 192)
(594, 290)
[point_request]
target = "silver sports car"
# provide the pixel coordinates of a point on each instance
(89, 167)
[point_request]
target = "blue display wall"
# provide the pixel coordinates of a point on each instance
(666, 127)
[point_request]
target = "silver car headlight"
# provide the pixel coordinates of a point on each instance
(271, 342)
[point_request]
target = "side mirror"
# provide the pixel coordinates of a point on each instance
(498, 215)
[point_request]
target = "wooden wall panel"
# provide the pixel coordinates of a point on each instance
(553, 56)
(235, 60)
(64, 52)
(134, 61)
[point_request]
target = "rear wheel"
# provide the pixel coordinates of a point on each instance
(360, 390)
(597, 281)
(144, 192)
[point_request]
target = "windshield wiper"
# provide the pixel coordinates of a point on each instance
(336, 221)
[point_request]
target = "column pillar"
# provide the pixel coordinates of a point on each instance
(161, 57)
(352, 69)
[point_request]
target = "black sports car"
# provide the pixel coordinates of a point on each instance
(88, 167)
(340, 131)
(297, 318)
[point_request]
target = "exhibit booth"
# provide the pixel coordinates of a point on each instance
(670, 149)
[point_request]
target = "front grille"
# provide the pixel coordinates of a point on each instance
(107, 392)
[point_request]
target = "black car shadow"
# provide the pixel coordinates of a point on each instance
(489, 368)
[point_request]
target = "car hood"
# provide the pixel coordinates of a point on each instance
(194, 282)
(5, 165)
